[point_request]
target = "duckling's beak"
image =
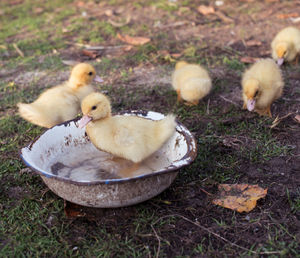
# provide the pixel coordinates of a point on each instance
(98, 79)
(250, 104)
(84, 121)
(280, 61)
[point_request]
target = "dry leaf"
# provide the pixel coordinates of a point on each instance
(80, 4)
(253, 43)
(297, 117)
(73, 210)
(239, 197)
(176, 55)
(38, 10)
(205, 10)
(286, 15)
(248, 59)
(109, 12)
(127, 48)
(91, 54)
(120, 24)
(137, 41)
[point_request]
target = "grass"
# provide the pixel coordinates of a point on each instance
(32, 220)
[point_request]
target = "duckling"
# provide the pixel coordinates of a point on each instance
(262, 84)
(62, 102)
(129, 137)
(286, 45)
(191, 82)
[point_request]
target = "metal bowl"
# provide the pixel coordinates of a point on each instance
(75, 170)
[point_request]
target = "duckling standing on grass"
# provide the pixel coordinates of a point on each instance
(262, 84)
(191, 82)
(286, 45)
(61, 103)
(129, 137)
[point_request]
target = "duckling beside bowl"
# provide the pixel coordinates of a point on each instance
(129, 137)
(191, 82)
(62, 102)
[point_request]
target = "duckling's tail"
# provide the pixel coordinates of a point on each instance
(195, 88)
(33, 115)
(165, 128)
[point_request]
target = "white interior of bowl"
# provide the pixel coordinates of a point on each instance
(64, 151)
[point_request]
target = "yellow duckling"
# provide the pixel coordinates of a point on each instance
(129, 137)
(62, 102)
(262, 84)
(191, 82)
(286, 45)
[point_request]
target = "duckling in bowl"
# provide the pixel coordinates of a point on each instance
(132, 138)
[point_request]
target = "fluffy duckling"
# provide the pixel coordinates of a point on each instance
(61, 103)
(286, 45)
(129, 137)
(262, 84)
(191, 82)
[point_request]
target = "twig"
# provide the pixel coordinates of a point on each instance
(104, 47)
(207, 108)
(172, 25)
(224, 17)
(277, 120)
(18, 50)
(158, 248)
(205, 191)
(215, 234)
(228, 100)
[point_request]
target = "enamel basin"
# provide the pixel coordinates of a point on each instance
(75, 170)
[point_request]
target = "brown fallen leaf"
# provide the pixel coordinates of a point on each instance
(38, 10)
(248, 59)
(206, 10)
(80, 4)
(176, 55)
(286, 15)
(109, 12)
(297, 117)
(239, 197)
(253, 43)
(91, 54)
(73, 210)
(137, 41)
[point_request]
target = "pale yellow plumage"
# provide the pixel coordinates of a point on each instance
(286, 45)
(60, 103)
(129, 137)
(262, 84)
(191, 82)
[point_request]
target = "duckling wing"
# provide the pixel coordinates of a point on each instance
(124, 136)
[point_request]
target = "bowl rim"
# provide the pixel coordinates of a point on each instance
(188, 158)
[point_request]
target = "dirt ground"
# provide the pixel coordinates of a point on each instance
(234, 146)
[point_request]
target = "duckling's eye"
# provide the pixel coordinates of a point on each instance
(255, 94)
(90, 73)
(94, 107)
